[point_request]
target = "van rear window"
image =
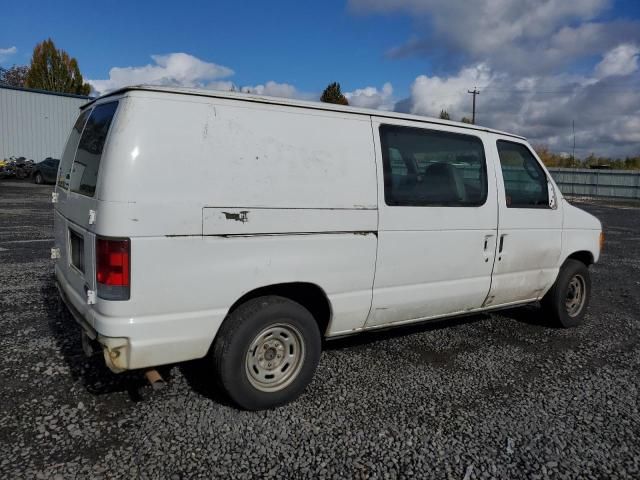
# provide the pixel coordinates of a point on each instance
(84, 173)
(70, 150)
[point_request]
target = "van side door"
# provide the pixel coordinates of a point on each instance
(529, 226)
(437, 221)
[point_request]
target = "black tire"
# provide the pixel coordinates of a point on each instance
(560, 303)
(37, 178)
(241, 373)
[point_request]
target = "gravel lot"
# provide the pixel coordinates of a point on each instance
(491, 396)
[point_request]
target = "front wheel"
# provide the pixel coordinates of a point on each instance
(567, 300)
(266, 352)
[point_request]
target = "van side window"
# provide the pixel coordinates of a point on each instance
(432, 168)
(84, 173)
(70, 150)
(525, 182)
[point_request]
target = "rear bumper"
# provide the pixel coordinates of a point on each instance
(141, 342)
(116, 350)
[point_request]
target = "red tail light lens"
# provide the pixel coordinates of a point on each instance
(113, 274)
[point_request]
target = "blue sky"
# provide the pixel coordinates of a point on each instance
(540, 64)
(287, 41)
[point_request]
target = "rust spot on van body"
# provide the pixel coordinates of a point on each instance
(242, 216)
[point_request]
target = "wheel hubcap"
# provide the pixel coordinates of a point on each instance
(576, 294)
(275, 357)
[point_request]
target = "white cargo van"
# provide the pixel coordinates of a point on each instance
(246, 229)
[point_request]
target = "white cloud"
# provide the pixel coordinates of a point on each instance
(604, 103)
(371, 97)
(179, 69)
(429, 95)
(5, 53)
(524, 36)
(274, 89)
(184, 70)
(622, 60)
(542, 108)
(520, 55)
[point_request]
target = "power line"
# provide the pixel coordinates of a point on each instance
(561, 92)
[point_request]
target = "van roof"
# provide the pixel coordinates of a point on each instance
(250, 97)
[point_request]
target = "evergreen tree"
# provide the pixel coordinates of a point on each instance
(333, 94)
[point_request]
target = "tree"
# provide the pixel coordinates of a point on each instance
(444, 115)
(333, 94)
(54, 70)
(465, 120)
(14, 76)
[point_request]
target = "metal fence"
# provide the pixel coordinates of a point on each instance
(598, 183)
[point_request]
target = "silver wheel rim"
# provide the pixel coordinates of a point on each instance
(275, 357)
(576, 295)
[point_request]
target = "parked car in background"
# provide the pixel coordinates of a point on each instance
(45, 171)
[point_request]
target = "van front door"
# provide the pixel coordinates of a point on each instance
(437, 221)
(530, 226)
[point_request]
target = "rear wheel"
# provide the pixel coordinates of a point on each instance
(568, 299)
(266, 352)
(37, 178)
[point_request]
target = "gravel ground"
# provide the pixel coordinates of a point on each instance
(491, 396)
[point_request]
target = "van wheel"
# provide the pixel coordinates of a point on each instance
(266, 352)
(568, 299)
(38, 178)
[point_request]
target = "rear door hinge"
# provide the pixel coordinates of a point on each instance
(91, 297)
(54, 197)
(92, 217)
(55, 253)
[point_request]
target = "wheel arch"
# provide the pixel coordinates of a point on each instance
(309, 295)
(583, 256)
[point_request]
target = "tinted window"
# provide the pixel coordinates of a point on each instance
(84, 174)
(429, 167)
(70, 150)
(525, 183)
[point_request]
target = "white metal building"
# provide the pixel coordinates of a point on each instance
(35, 123)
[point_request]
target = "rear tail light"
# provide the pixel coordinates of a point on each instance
(601, 241)
(113, 273)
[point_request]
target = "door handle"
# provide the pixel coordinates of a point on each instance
(501, 246)
(486, 251)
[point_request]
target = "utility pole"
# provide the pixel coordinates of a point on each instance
(474, 92)
(573, 153)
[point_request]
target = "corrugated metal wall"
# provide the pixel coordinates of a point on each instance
(598, 183)
(35, 125)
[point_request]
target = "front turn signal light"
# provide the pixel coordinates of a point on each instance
(601, 241)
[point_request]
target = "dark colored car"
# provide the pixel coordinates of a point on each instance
(46, 171)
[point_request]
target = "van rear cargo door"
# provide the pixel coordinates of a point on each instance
(77, 206)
